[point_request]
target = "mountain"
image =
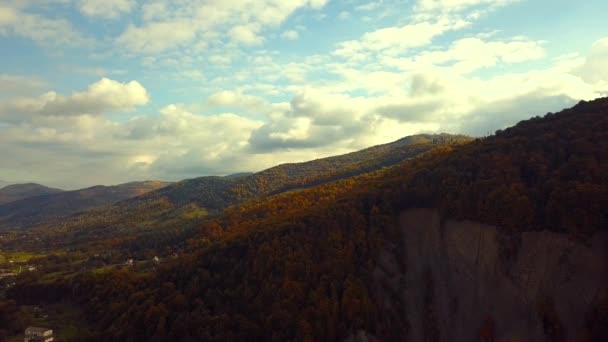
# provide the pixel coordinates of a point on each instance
(216, 193)
(196, 199)
(4, 183)
(54, 204)
(239, 175)
(16, 192)
(503, 238)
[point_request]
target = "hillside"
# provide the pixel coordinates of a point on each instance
(504, 238)
(216, 193)
(17, 192)
(53, 204)
(192, 200)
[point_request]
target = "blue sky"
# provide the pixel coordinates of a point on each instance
(109, 91)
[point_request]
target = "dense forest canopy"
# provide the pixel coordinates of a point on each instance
(44, 204)
(183, 204)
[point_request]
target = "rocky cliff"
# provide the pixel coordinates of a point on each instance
(464, 281)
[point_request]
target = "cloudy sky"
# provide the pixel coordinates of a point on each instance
(109, 91)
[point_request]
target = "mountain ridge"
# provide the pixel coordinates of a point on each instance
(37, 209)
(15, 192)
(204, 197)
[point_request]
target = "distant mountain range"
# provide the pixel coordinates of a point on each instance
(196, 199)
(39, 204)
(215, 193)
(17, 192)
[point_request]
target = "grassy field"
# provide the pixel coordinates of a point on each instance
(20, 256)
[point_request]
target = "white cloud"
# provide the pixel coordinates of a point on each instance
(103, 96)
(595, 68)
(152, 10)
(42, 30)
(392, 40)
(170, 26)
(321, 120)
(264, 107)
(19, 85)
(220, 59)
(109, 9)
(156, 37)
(290, 35)
(92, 71)
(457, 5)
(184, 144)
(370, 6)
(81, 150)
(344, 15)
(469, 54)
(246, 34)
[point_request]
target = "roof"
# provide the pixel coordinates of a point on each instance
(36, 330)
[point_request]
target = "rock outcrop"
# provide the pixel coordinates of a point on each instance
(465, 281)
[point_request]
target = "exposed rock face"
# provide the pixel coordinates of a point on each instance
(460, 281)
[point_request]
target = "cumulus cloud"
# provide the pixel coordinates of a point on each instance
(73, 151)
(184, 144)
(109, 9)
(502, 113)
(315, 118)
(457, 5)
(246, 34)
(103, 96)
(19, 85)
(595, 68)
(397, 39)
(169, 26)
(258, 107)
(81, 147)
(158, 36)
(470, 54)
(42, 30)
(233, 98)
(370, 6)
(412, 110)
(290, 35)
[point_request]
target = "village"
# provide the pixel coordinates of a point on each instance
(46, 321)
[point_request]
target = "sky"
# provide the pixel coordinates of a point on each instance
(112, 91)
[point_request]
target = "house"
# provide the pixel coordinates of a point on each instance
(6, 273)
(36, 334)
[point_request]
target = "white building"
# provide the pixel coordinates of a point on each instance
(36, 334)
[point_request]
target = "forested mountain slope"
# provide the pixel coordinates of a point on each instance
(16, 192)
(195, 199)
(38, 209)
(216, 193)
(511, 246)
